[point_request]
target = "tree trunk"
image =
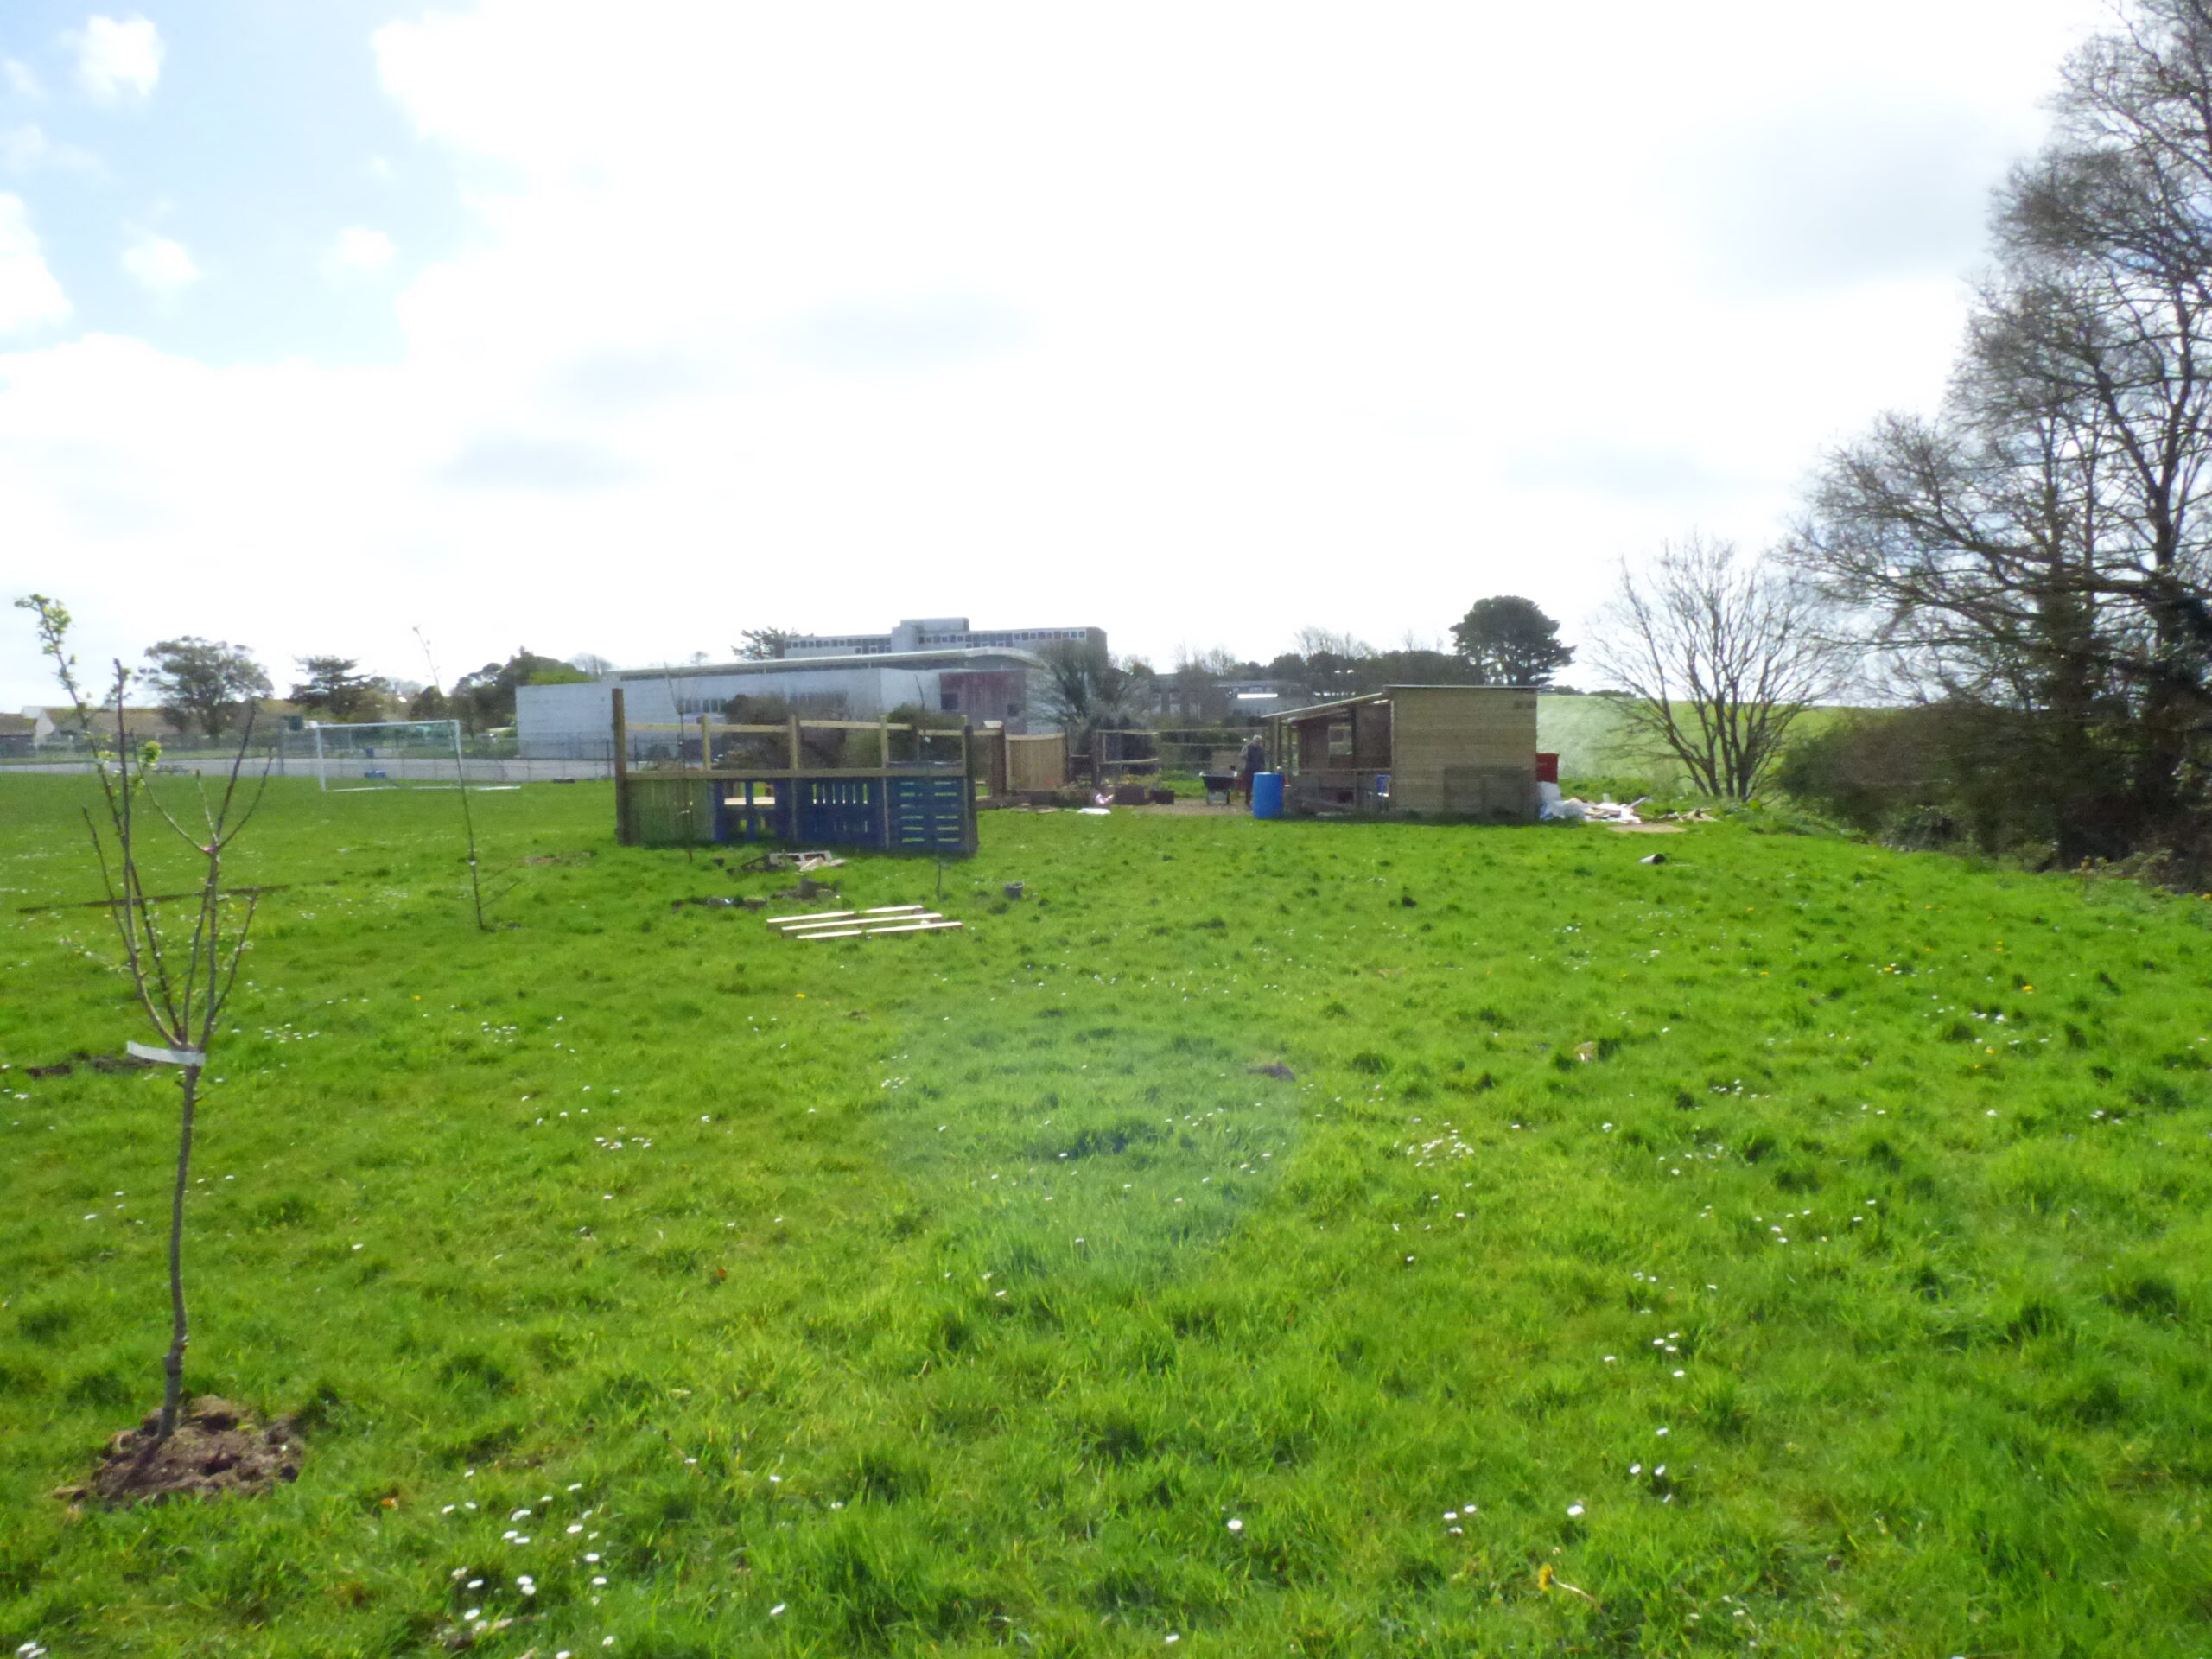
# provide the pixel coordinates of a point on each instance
(180, 1328)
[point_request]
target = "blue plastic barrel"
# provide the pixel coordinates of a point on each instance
(1267, 794)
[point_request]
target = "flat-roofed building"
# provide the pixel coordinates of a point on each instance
(935, 633)
(575, 722)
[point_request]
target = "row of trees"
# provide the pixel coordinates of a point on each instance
(2021, 583)
(1504, 640)
(2030, 565)
(211, 687)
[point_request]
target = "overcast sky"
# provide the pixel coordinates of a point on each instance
(621, 327)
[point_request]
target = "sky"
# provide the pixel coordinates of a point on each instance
(338, 327)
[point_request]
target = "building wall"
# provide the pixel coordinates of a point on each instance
(566, 721)
(1001, 694)
(570, 722)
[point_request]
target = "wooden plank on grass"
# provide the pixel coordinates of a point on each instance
(816, 918)
(866, 921)
(850, 919)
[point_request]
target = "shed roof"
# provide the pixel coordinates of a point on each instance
(1314, 710)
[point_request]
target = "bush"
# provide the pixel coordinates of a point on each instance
(2003, 781)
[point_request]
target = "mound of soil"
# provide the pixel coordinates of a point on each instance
(217, 1447)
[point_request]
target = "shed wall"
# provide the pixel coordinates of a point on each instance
(1464, 753)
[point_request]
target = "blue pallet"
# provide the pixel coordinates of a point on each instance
(840, 811)
(930, 814)
(920, 814)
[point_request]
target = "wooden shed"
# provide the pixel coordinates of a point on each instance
(1411, 752)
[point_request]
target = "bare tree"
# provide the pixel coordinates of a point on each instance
(1334, 664)
(1720, 657)
(2041, 547)
(1085, 690)
(1330, 642)
(182, 974)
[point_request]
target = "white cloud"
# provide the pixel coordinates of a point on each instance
(29, 296)
(359, 249)
(28, 147)
(23, 148)
(116, 60)
(162, 267)
(21, 79)
(1278, 316)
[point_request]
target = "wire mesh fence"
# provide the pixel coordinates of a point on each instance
(497, 757)
(483, 758)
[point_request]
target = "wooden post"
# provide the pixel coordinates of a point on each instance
(797, 750)
(621, 773)
(967, 784)
(883, 742)
(713, 798)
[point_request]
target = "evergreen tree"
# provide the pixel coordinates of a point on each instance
(1508, 641)
(204, 682)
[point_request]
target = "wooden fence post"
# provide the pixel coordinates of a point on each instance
(621, 773)
(968, 837)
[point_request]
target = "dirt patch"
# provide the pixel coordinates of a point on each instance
(217, 1447)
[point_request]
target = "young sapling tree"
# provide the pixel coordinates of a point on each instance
(182, 972)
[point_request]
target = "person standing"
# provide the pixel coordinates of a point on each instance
(1250, 765)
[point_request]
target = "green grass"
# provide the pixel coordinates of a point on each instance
(1600, 752)
(955, 1295)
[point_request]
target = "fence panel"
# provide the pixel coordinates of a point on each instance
(932, 815)
(839, 811)
(1036, 764)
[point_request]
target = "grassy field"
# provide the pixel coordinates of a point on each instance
(1592, 740)
(1794, 1248)
(1599, 751)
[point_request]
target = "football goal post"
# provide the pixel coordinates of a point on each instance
(389, 754)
